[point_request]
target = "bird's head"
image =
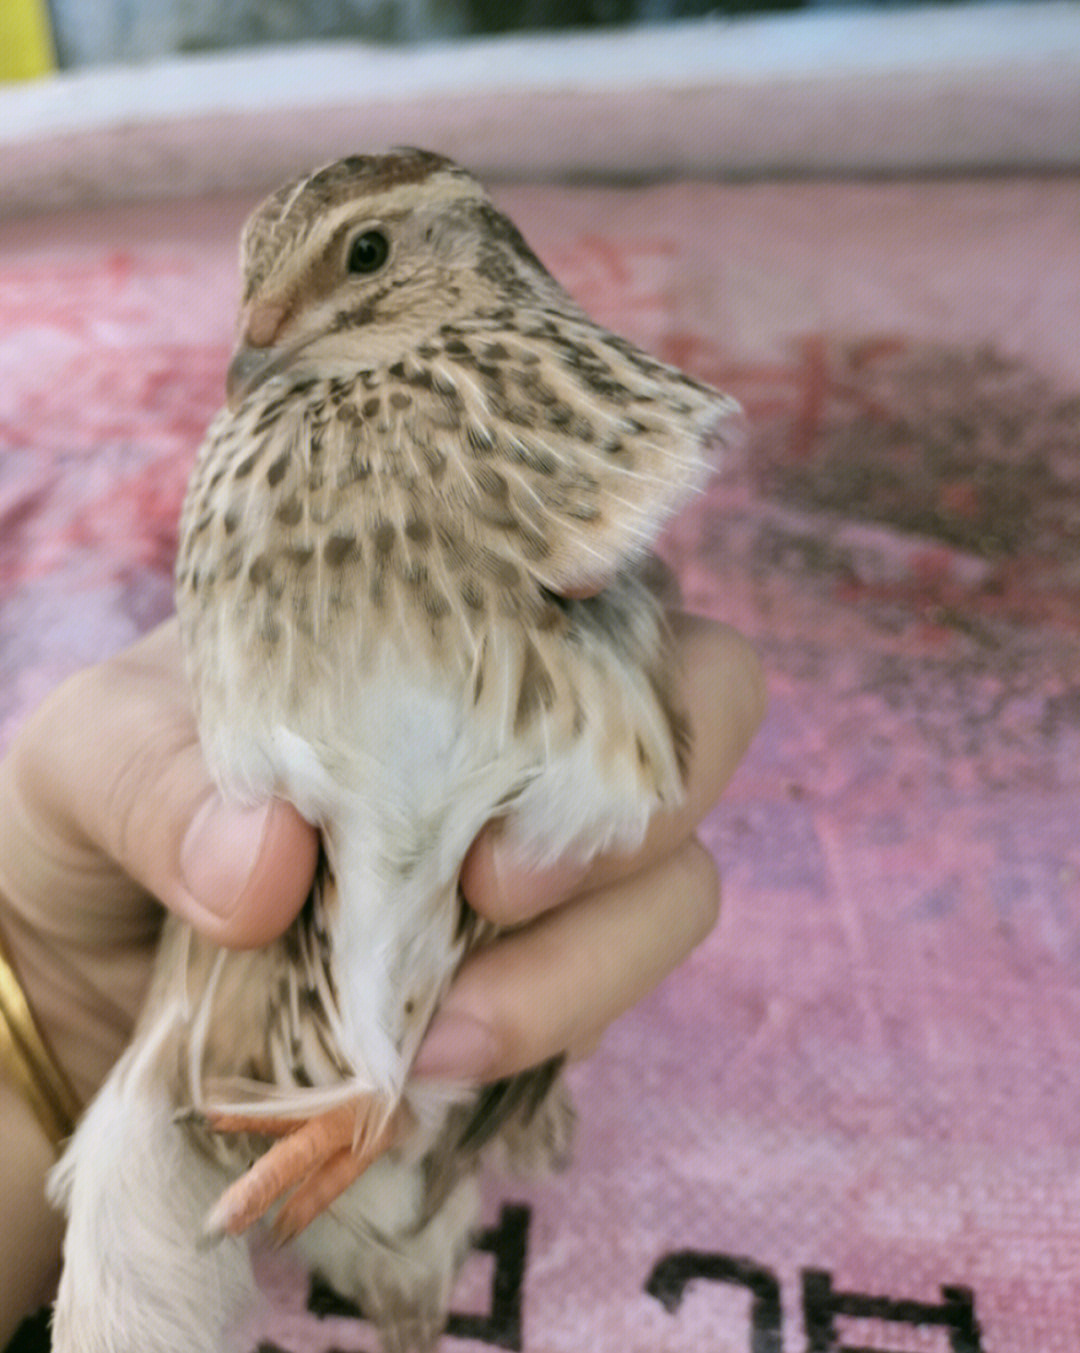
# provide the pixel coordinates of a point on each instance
(358, 261)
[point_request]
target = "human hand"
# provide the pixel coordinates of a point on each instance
(583, 945)
(106, 805)
(588, 942)
(107, 809)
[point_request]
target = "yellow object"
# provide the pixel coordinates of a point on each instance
(28, 1062)
(26, 42)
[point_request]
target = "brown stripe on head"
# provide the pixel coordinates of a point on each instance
(287, 215)
(363, 175)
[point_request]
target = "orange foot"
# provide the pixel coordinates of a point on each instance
(317, 1158)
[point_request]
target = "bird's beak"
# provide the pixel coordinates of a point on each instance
(256, 357)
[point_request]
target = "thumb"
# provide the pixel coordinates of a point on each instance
(241, 874)
(112, 764)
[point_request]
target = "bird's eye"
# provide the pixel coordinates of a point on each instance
(368, 252)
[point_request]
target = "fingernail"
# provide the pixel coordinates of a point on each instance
(457, 1047)
(219, 852)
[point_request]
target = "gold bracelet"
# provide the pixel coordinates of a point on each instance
(30, 1064)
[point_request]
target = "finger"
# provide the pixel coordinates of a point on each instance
(723, 689)
(552, 986)
(111, 765)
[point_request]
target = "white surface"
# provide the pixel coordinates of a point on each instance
(978, 86)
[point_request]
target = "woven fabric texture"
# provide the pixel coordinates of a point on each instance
(850, 1121)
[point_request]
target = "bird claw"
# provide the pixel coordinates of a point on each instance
(315, 1159)
(258, 1125)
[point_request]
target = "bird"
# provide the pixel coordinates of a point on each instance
(417, 594)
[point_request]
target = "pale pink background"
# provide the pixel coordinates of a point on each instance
(870, 1068)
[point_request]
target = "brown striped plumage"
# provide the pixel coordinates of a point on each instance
(413, 592)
